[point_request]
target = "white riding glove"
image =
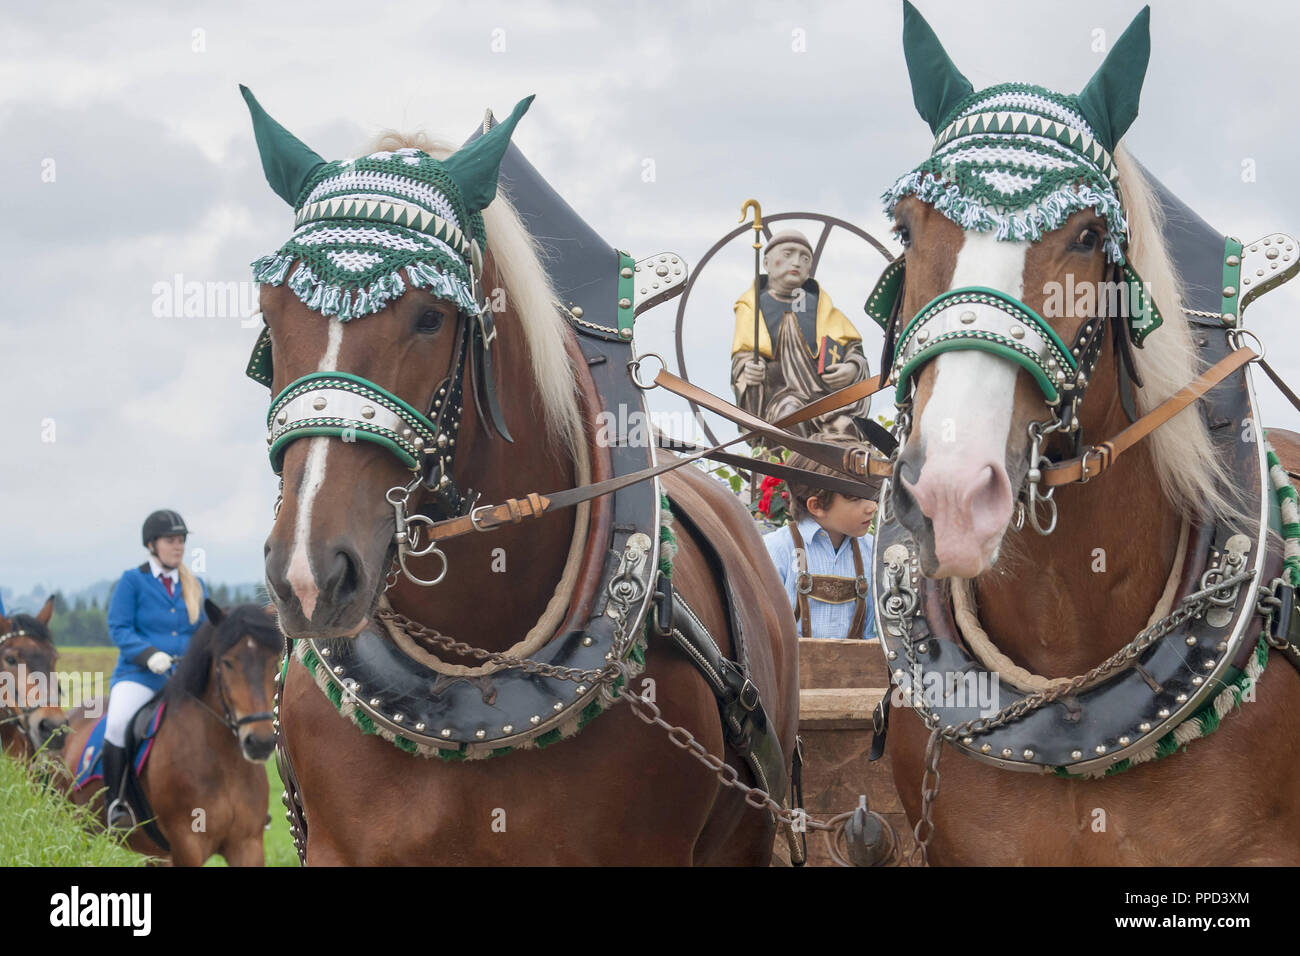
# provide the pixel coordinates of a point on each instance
(159, 662)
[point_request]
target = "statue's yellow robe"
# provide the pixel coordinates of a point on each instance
(831, 322)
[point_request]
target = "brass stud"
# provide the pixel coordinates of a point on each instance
(625, 272)
(1017, 331)
(1233, 260)
(1028, 755)
(625, 303)
(967, 318)
(398, 718)
(1162, 713)
(446, 732)
(1229, 291)
(1007, 752)
(1124, 741)
(1181, 698)
(420, 726)
(509, 728)
(985, 748)
(367, 411)
(1144, 727)
(576, 311)
(1100, 748)
(281, 418)
(480, 734)
(318, 403)
(1076, 754)
(374, 701)
(1191, 640)
(535, 719)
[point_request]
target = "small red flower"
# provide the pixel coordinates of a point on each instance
(770, 484)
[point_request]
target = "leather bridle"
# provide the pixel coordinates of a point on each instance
(227, 716)
(17, 713)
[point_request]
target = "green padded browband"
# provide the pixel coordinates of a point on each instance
(978, 311)
(342, 405)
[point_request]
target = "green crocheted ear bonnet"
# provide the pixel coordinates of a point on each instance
(367, 228)
(1016, 158)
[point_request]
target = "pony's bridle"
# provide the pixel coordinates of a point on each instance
(18, 713)
(227, 715)
(350, 407)
(984, 319)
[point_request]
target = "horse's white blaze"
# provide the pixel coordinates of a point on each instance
(965, 422)
(299, 573)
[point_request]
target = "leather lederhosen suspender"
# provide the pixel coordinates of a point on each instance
(830, 588)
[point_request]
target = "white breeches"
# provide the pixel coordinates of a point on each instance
(124, 700)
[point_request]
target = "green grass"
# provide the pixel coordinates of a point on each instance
(43, 828)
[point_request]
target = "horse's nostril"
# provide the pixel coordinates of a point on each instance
(344, 578)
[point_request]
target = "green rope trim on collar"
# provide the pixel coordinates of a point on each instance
(1202, 723)
(325, 680)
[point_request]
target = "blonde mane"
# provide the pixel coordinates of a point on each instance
(517, 258)
(1189, 470)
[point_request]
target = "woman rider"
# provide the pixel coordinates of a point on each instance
(154, 611)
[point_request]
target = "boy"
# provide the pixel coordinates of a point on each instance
(824, 558)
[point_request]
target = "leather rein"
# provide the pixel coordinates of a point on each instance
(855, 463)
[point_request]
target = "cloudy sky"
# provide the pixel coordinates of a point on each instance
(127, 161)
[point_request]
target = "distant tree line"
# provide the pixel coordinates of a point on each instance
(83, 624)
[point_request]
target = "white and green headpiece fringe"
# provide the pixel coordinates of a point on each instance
(1016, 159)
(366, 229)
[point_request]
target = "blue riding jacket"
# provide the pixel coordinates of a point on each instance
(143, 619)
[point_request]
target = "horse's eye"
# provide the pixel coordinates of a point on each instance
(1086, 241)
(11, 660)
(228, 665)
(904, 235)
(430, 320)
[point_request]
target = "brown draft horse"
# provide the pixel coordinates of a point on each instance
(617, 793)
(1229, 798)
(205, 778)
(30, 716)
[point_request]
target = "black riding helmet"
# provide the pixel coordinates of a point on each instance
(160, 524)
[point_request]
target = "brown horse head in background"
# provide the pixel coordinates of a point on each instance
(30, 715)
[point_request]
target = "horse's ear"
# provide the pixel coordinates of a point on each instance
(47, 610)
(213, 609)
(475, 167)
(287, 161)
(937, 85)
(1110, 100)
